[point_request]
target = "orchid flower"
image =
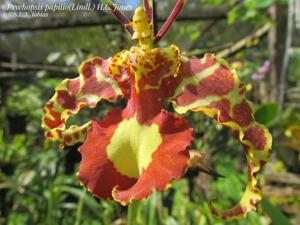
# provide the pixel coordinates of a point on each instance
(262, 71)
(133, 151)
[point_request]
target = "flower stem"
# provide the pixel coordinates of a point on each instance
(49, 208)
(132, 213)
(79, 209)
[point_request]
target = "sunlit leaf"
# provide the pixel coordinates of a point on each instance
(261, 4)
(278, 218)
(265, 114)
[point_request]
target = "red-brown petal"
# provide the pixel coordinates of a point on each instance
(102, 175)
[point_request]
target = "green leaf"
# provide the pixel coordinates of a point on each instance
(278, 218)
(132, 212)
(88, 200)
(266, 113)
(195, 35)
(16, 218)
(232, 16)
(262, 4)
(249, 14)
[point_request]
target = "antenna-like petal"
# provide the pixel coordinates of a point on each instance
(164, 29)
(124, 20)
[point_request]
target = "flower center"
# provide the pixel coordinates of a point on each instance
(132, 145)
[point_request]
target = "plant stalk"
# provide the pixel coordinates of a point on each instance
(132, 213)
(79, 209)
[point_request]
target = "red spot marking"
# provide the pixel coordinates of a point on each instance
(50, 104)
(176, 53)
(49, 135)
(97, 61)
(51, 123)
(256, 136)
(66, 100)
(242, 113)
(270, 151)
(252, 202)
(68, 139)
(237, 210)
(251, 166)
(262, 163)
(224, 107)
(242, 91)
(250, 169)
(88, 70)
(246, 149)
(82, 104)
(69, 113)
(76, 136)
(59, 133)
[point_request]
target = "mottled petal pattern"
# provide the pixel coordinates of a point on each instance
(71, 95)
(142, 148)
(211, 87)
(147, 77)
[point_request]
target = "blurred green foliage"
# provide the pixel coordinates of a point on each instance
(265, 114)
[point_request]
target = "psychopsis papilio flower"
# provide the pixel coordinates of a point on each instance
(143, 147)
